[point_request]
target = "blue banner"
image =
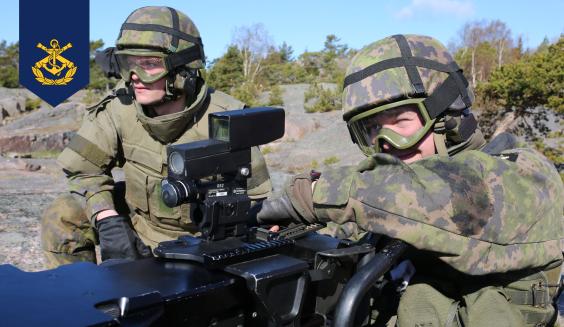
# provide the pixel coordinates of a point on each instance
(54, 48)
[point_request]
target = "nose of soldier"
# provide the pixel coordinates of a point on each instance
(385, 146)
(135, 78)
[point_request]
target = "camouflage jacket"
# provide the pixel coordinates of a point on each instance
(112, 135)
(479, 213)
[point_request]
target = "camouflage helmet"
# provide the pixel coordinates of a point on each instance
(403, 69)
(166, 30)
(157, 42)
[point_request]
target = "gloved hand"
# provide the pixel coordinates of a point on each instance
(275, 211)
(119, 241)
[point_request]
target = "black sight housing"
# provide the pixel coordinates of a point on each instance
(231, 135)
(212, 174)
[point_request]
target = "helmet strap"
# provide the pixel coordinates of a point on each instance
(171, 93)
(440, 144)
(456, 132)
(453, 87)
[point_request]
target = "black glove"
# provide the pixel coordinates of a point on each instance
(275, 211)
(119, 241)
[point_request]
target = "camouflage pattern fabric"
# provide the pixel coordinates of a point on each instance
(134, 39)
(111, 135)
(392, 84)
(481, 214)
(348, 230)
(66, 233)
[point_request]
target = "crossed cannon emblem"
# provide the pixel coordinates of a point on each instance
(54, 63)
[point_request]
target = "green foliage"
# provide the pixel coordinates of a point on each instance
(555, 154)
(311, 63)
(246, 92)
(45, 154)
(314, 164)
(330, 55)
(487, 59)
(226, 72)
(275, 98)
(279, 68)
(32, 103)
(325, 65)
(535, 81)
(283, 73)
(98, 81)
(324, 99)
(266, 149)
(9, 61)
(330, 160)
(91, 97)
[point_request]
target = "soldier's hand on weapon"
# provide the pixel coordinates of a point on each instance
(119, 241)
(280, 210)
(275, 211)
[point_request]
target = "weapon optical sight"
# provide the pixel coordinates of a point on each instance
(213, 173)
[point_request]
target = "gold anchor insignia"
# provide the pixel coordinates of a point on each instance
(51, 64)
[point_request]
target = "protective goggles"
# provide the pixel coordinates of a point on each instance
(149, 66)
(369, 134)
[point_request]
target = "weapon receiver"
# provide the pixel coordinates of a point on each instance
(232, 275)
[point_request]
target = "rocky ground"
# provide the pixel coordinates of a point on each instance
(24, 194)
(28, 185)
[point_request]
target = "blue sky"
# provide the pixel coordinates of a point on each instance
(304, 24)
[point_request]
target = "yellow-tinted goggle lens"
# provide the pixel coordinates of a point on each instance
(370, 135)
(149, 69)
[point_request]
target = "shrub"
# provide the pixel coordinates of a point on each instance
(324, 99)
(330, 160)
(275, 98)
(32, 103)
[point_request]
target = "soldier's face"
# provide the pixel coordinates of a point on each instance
(148, 93)
(405, 121)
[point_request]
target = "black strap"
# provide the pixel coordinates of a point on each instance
(162, 29)
(174, 15)
(183, 57)
(454, 86)
(467, 126)
(412, 72)
(442, 97)
(399, 62)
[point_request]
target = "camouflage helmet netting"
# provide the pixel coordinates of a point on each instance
(392, 84)
(162, 16)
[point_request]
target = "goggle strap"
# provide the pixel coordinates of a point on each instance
(443, 96)
(455, 85)
(183, 57)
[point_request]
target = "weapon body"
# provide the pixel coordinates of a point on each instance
(231, 276)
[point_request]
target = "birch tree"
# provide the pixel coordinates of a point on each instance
(254, 42)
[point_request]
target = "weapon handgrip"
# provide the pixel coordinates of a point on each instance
(360, 283)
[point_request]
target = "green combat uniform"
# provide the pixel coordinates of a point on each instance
(113, 134)
(478, 213)
(486, 227)
(119, 132)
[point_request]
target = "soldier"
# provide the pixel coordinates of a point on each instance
(484, 221)
(162, 100)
